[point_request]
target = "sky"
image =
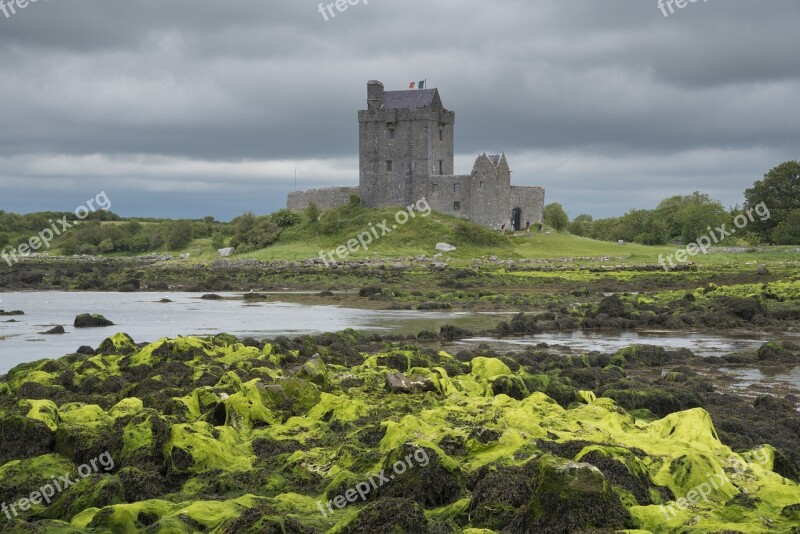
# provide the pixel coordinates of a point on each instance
(189, 108)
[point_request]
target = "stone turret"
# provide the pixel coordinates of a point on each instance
(374, 95)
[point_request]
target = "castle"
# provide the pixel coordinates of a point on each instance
(406, 153)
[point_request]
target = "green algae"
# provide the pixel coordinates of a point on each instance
(42, 410)
(264, 429)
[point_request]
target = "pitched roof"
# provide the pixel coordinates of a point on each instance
(411, 99)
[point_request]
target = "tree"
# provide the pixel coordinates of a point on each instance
(581, 225)
(313, 213)
(788, 231)
(778, 195)
(555, 217)
(180, 235)
(688, 217)
(217, 241)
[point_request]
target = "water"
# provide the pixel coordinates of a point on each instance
(705, 345)
(144, 318)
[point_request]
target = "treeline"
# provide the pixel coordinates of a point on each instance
(772, 212)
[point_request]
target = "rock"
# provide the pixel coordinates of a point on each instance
(445, 247)
(55, 330)
(763, 271)
(87, 320)
(438, 256)
(492, 258)
(439, 266)
(85, 350)
(165, 301)
(389, 515)
(21, 437)
(398, 383)
(398, 265)
(315, 371)
(612, 306)
(4, 313)
(185, 256)
(211, 296)
(226, 252)
(570, 497)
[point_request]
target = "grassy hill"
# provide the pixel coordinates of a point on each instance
(419, 235)
(295, 236)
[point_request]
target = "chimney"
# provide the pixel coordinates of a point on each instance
(374, 95)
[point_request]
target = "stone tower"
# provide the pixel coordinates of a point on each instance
(405, 137)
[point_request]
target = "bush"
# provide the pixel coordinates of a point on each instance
(313, 213)
(285, 218)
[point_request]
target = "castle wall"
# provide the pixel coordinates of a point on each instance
(442, 194)
(530, 200)
(325, 199)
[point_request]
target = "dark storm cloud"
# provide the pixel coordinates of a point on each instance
(195, 107)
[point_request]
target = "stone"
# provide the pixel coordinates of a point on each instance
(445, 247)
(87, 320)
(763, 271)
(439, 266)
(398, 383)
(226, 252)
(55, 330)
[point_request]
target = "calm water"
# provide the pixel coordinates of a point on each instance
(610, 341)
(145, 319)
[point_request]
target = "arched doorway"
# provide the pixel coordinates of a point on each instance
(516, 219)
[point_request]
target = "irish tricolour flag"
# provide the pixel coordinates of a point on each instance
(418, 85)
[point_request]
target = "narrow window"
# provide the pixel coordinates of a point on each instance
(389, 166)
(480, 186)
(434, 188)
(457, 188)
(441, 167)
(392, 134)
(441, 134)
(456, 206)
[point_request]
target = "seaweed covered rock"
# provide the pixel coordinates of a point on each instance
(423, 475)
(499, 495)
(389, 516)
(569, 497)
(21, 437)
(88, 320)
(776, 353)
(513, 386)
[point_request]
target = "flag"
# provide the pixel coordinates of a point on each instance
(418, 85)
(411, 85)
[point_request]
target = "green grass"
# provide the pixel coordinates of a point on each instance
(420, 234)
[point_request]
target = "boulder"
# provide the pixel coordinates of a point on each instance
(445, 247)
(398, 383)
(226, 252)
(55, 330)
(87, 320)
(570, 497)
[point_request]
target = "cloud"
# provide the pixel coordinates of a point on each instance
(164, 101)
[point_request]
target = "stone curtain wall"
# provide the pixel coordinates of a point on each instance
(325, 199)
(530, 200)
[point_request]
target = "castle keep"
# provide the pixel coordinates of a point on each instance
(406, 141)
